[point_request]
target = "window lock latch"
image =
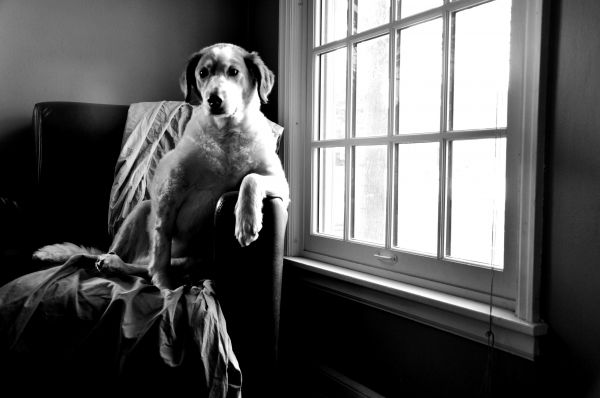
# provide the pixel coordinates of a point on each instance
(386, 257)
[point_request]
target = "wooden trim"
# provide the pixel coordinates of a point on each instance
(292, 109)
(528, 272)
(456, 315)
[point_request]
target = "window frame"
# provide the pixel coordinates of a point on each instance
(524, 186)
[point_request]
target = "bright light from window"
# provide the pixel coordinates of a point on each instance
(481, 62)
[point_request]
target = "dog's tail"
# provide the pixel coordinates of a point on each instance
(61, 252)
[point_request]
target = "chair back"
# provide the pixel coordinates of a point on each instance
(76, 147)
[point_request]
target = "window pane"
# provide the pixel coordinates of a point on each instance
(330, 171)
(481, 66)
(410, 7)
(420, 78)
(417, 200)
(372, 87)
(370, 14)
(477, 200)
(331, 91)
(369, 193)
(332, 17)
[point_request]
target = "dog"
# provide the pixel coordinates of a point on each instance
(228, 144)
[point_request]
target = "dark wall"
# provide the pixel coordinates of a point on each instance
(263, 37)
(397, 357)
(388, 354)
(571, 263)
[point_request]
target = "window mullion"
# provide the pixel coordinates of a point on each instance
(444, 182)
(350, 102)
(348, 186)
(389, 219)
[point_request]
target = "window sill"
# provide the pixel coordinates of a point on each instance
(460, 316)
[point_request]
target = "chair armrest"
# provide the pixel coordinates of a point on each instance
(248, 284)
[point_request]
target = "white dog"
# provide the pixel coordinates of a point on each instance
(228, 144)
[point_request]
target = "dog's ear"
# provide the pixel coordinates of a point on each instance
(187, 81)
(261, 75)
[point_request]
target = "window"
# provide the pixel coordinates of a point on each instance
(412, 151)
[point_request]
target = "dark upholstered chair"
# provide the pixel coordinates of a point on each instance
(76, 147)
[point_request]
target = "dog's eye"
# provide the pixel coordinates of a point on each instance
(203, 73)
(233, 72)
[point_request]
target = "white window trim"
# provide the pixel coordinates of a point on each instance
(515, 331)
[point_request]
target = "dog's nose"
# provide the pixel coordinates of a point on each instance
(214, 101)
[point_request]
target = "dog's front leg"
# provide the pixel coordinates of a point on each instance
(248, 209)
(165, 215)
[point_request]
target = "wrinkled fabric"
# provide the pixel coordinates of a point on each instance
(74, 303)
(152, 129)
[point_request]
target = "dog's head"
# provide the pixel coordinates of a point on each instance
(226, 79)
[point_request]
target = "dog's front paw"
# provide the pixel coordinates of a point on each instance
(248, 224)
(109, 263)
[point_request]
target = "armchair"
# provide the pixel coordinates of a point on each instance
(76, 147)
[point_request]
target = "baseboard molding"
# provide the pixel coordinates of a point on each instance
(337, 385)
